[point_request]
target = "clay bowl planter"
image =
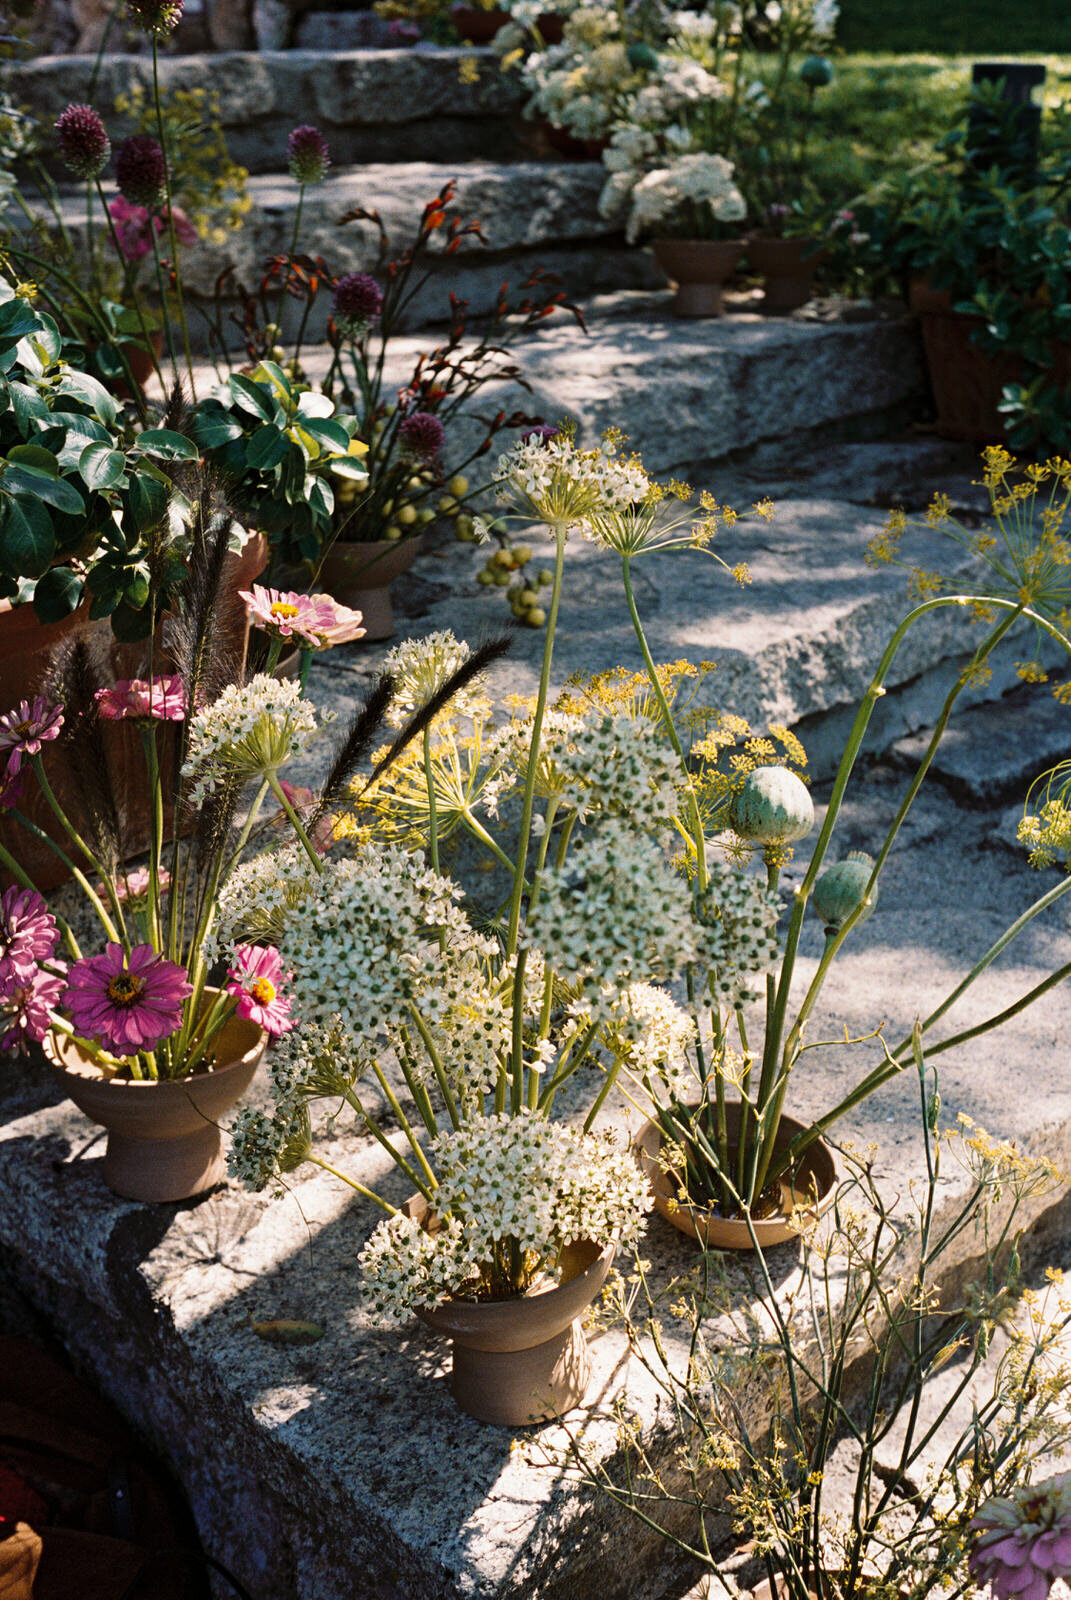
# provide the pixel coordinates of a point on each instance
(359, 573)
(700, 268)
(787, 267)
(812, 1188)
(163, 1138)
(517, 1362)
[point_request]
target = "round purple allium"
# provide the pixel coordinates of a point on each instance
(83, 141)
(140, 171)
(308, 155)
(159, 17)
(358, 301)
(422, 435)
(540, 434)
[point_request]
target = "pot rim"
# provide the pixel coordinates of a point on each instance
(65, 1055)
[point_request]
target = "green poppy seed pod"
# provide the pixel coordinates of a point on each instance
(642, 57)
(816, 72)
(772, 806)
(840, 889)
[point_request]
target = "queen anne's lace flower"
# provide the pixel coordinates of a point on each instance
(248, 731)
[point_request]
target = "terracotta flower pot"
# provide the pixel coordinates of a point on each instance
(142, 365)
(360, 573)
(521, 1361)
(788, 267)
(700, 269)
(163, 1138)
(966, 380)
(567, 144)
(812, 1187)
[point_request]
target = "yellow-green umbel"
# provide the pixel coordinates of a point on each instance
(772, 807)
(840, 889)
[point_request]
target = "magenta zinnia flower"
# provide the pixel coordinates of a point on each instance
(357, 301)
(308, 155)
(26, 1007)
(28, 934)
(83, 141)
(423, 435)
(159, 17)
(255, 980)
(160, 699)
(25, 729)
(128, 1007)
(140, 171)
(1024, 1541)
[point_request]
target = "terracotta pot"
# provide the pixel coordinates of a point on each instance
(812, 1186)
(966, 380)
(163, 1142)
(700, 269)
(567, 144)
(26, 650)
(359, 574)
(788, 275)
(516, 1362)
(142, 365)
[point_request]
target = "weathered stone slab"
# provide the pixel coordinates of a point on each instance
(996, 751)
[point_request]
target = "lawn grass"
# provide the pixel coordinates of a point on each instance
(982, 28)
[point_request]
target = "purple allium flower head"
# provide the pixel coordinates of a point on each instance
(83, 141)
(25, 729)
(1024, 1541)
(540, 433)
(308, 155)
(358, 301)
(159, 17)
(128, 1007)
(28, 934)
(26, 1007)
(422, 435)
(140, 171)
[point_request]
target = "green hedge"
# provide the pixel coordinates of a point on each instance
(985, 28)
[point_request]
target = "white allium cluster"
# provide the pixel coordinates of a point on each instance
(824, 18)
(680, 81)
(519, 1179)
(470, 1020)
(692, 182)
(317, 1059)
(420, 668)
(615, 766)
(362, 939)
(695, 26)
(740, 915)
(582, 83)
(652, 1035)
(257, 901)
(615, 914)
(553, 481)
(249, 730)
(262, 1147)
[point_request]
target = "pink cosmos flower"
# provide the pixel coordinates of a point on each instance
(26, 1007)
(255, 980)
(28, 934)
(1024, 1541)
(304, 803)
(134, 225)
(127, 1006)
(313, 620)
(25, 729)
(161, 699)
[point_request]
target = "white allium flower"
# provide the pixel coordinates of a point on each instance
(257, 901)
(652, 1035)
(262, 1147)
(553, 481)
(420, 667)
(700, 26)
(741, 915)
(615, 766)
(504, 1179)
(470, 1020)
(249, 730)
(614, 915)
(824, 18)
(317, 1059)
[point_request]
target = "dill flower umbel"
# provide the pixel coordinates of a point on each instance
(83, 141)
(247, 732)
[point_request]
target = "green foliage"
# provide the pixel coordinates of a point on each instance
(986, 28)
(206, 183)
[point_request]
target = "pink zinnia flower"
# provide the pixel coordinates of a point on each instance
(333, 623)
(28, 934)
(83, 141)
(128, 1007)
(24, 730)
(134, 227)
(26, 1007)
(304, 803)
(133, 887)
(282, 613)
(255, 980)
(1025, 1540)
(160, 699)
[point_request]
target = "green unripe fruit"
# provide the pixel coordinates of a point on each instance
(816, 72)
(407, 515)
(840, 889)
(463, 527)
(447, 505)
(535, 617)
(772, 806)
(503, 559)
(458, 485)
(521, 554)
(501, 578)
(642, 57)
(485, 577)
(529, 597)
(425, 515)
(392, 532)
(545, 579)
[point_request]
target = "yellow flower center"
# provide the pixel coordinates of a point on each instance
(263, 991)
(124, 989)
(23, 728)
(283, 608)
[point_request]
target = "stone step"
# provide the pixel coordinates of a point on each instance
(995, 752)
(372, 105)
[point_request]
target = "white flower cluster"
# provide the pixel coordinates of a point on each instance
(469, 1018)
(315, 1060)
(613, 915)
(582, 84)
(505, 1179)
(420, 668)
(651, 1035)
(615, 766)
(249, 730)
(262, 1147)
(824, 18)
(698, 27)
(553, 481)
(256, 903)
(692, 183)
(740, 915)
(680, 81)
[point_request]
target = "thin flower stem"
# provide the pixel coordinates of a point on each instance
(116, 931)
(433, 821)
(395, 1105)
(152, 761)
(600, 1098)
(440, 1073)
(479, 832)
(172, 239)
(272, 780)
(381, 1138)
(135, 388)
(367, 1194)
(573, 1059)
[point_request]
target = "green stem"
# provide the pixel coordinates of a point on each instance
(116, 931)
(180, 302)
(272, 780)
(368, 1194)
(437, 1067)
(433, 822)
